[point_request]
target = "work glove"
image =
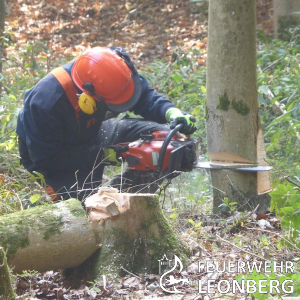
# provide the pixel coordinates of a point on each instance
(111, 156)
(174, 116)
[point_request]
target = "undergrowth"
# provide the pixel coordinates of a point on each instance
(183, 80)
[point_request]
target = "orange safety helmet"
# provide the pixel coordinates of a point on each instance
(112, 78)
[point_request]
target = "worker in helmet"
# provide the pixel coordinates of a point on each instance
(68, 117)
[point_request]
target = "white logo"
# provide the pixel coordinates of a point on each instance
(169, 281)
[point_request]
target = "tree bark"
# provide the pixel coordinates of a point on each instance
(48, 237)
(283, 16)
(6, 290)
(61, 236)
(233, 124)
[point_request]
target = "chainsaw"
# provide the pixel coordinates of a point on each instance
(153, 158)
(164, 155)
(160, 152)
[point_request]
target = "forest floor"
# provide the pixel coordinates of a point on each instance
(148, 30)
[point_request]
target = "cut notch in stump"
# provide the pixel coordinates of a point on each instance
(135, 240)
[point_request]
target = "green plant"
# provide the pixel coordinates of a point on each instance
(278, 96)
(264, 280)
(228, 206)
(28, 276)
(183, 80)
(22, 70)
(286, 203)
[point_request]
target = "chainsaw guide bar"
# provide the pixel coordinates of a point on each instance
(231, 167)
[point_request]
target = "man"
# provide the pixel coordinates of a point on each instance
(68, 116)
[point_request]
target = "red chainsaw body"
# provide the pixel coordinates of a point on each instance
(143, 155)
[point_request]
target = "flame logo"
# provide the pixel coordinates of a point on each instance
(172, 280)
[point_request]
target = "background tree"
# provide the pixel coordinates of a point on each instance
(233, 124)
(285, 15)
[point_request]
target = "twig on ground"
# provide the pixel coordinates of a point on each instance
(162, 177)
(254, 210)
(252, 254)
(275, 233)
(203, 249)
(122, 268)
(164, 188)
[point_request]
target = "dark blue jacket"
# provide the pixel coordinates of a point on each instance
(49, 133)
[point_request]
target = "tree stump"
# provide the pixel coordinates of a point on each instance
(6, 290)
(135, 240)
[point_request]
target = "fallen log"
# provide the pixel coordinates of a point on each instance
(133, 234)
(48, 237)
(6, 290)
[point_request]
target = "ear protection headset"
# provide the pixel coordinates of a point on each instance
(86, 102)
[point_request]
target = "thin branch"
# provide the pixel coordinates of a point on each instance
(17, 64)
(254, 210)
(122, 268)
(274, 63)
(283, 111)
(284, 176)
(233, 245)
(275, 233)
(160, 178)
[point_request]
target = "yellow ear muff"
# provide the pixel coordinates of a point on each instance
(87, 103)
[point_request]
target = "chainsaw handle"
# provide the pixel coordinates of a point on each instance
(163, 149)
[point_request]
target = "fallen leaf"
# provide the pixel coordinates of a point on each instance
(208, 246)
(131, 282)
(264, 224)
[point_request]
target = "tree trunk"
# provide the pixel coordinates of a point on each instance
(61, 236)
(233, 126)
(2, 15)
(284, 17)
(6, 290)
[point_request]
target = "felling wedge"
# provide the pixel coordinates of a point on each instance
(228, 161)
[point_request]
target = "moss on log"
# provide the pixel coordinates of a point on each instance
(135, 240)
(6, 290)
(48, 237)
(60, 236)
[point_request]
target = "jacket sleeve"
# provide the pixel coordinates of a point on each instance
(47, 141)
(151, 105)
